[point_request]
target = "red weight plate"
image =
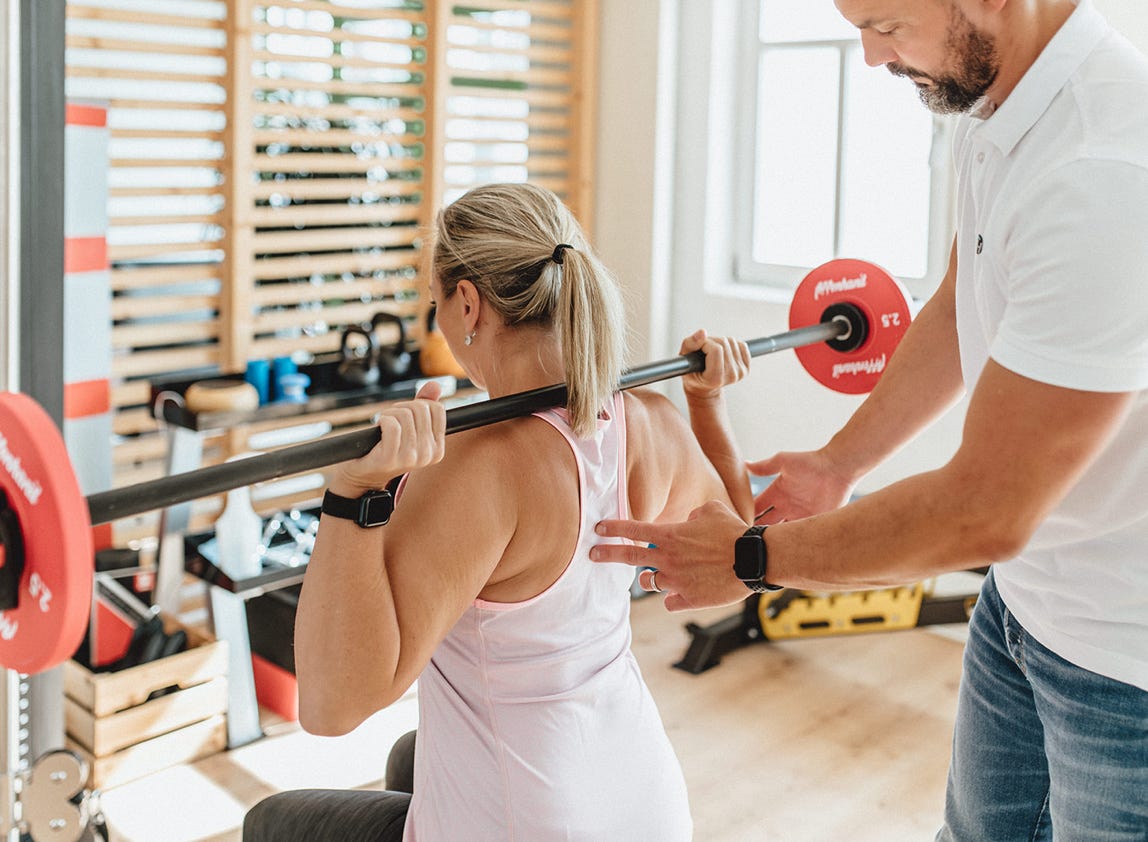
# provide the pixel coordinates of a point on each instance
(881, 299)
(55, 595)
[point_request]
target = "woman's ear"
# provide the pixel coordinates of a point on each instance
(471, 303)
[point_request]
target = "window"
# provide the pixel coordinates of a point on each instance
(841, 159)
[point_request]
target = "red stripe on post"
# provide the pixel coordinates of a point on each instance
(85, 254)
(85, 115)
(87, 398)
(102, 536)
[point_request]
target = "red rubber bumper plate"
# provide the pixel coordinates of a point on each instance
(884, 304)
(55, 590)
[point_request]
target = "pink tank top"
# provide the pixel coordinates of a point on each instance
(534, 721)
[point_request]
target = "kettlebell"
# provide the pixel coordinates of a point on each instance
(394, 360)
(358, 365)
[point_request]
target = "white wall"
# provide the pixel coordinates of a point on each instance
(648, 160)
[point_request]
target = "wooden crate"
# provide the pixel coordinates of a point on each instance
(123, 735)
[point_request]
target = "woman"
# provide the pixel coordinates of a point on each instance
(534, 720)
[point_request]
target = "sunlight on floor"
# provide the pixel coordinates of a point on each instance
(194, 803)
(297, 759)
(176, 805)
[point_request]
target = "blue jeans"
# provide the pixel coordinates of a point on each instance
(1042, 749)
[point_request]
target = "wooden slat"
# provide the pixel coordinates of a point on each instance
(583, 136)
(167, 163)
(308, 215)
(335, 264)
(162, 103)
(140, 46)
(128, 393)
(542, 121)
(164, 219)
(536, 8)
(139, 449)
(74, 71)
(338, 61)
(331, 163)
(536, 52)
(151, 276)
(335, 111)
(133, 337)
(235, 309)
(139, 307)
(532, 96)
(292, 294)
(333, 137)
(152, 363)
(77, 10)
(542, 31)
(270, 348)
(333, 35)
(340, 11)
(337, 188)
(383, 90)
(541, 78)
(132, 421)
(125, 192)
(136, 252)
(162, 134)
(340, 238)
(356, 312)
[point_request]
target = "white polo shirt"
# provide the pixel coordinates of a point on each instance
(1052, 284)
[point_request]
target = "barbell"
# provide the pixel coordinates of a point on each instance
(846, 319)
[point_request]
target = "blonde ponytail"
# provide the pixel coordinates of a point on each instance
(506, 238)
(588, 319)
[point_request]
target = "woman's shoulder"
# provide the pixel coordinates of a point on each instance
(505, 447)
(650, 414)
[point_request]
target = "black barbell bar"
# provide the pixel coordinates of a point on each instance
(107, 506)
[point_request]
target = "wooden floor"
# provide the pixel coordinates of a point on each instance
(812, 740)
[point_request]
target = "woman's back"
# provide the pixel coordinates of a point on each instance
(540, 699)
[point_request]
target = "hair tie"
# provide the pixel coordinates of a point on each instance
(558, 256)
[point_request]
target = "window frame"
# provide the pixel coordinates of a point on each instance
(749, 271)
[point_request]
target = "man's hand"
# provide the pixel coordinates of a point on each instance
(808, 483)
(694, 559)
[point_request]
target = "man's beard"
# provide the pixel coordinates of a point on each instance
(977, 68)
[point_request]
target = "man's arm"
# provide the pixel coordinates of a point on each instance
(1012, 468)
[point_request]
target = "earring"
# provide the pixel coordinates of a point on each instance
(469, 338)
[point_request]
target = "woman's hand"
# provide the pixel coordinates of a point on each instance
(412, 434)
(727, 362)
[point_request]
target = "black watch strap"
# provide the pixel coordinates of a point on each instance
(374, 508)
(751, 560)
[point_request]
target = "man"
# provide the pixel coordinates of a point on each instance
(1043, 318)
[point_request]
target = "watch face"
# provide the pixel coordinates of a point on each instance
(749, 558)
(377, 508)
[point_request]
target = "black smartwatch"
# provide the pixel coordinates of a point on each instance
(372, 509)
(749, 560)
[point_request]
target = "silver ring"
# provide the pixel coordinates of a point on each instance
(654, 582)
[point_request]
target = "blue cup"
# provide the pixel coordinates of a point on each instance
(258, 374)
(279, 367)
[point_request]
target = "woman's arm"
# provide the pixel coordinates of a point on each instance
(727, 362)
(376, 602)
(668, 474)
